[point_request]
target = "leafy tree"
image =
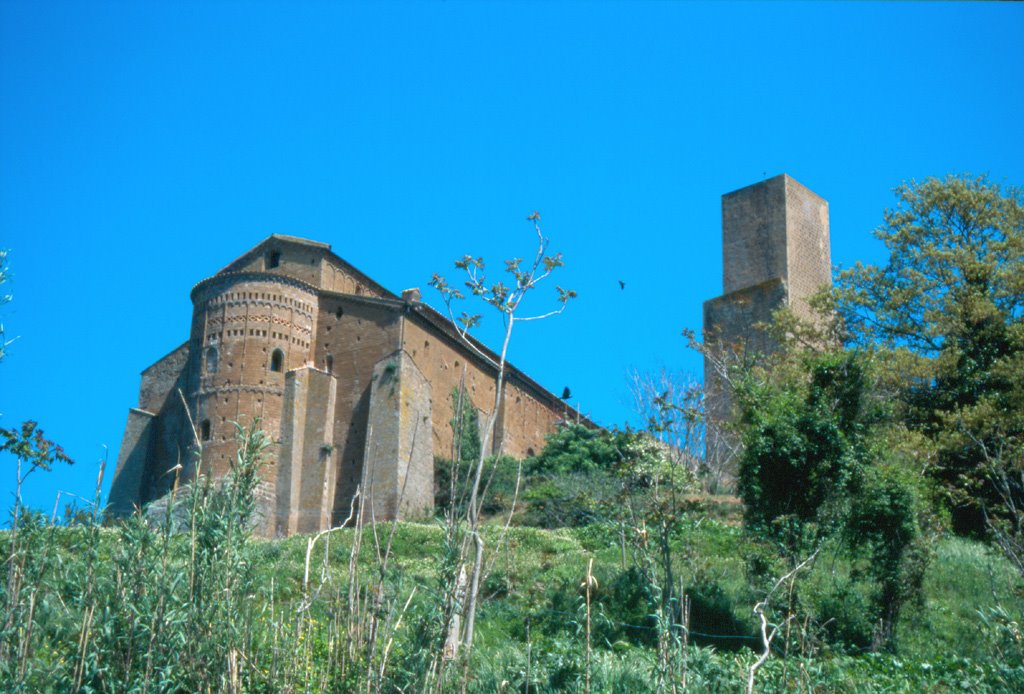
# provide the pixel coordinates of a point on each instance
(883, 526)
(576, 448)
(803, 435)
(948, 311)
(32, 451)
(823, 461)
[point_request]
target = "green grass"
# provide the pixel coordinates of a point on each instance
(964, 578)
(531, 621)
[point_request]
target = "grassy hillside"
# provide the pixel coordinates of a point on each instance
(532, 627)
(648, 588)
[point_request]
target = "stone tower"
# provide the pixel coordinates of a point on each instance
(775, 252)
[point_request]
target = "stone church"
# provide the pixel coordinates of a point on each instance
(352, 383)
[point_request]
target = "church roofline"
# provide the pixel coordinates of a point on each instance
(445, 325)
(252, 275)
(434, 318)
(183, 345)
(318, 245)
(391, 300)
(298, 240)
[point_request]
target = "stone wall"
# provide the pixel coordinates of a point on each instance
(126, 490)
(447, 367)
(155, 440)
(754, 235)
(352, 336)
(307, 465)
(307, 261)
(398, 469)
(525, 421)
(809, 256)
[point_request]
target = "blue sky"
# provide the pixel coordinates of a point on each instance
(145, 145)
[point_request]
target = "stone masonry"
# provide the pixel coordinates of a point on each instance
(352, 383)
(775, 253)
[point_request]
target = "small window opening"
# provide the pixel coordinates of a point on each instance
(339, 313)
(277, 360)
(329, 363)
(274, 259)
(212, 360)
(204, 430)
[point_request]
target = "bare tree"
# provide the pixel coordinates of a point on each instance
(4, 298)
(672, 405)
(770, 631)
(506, 301)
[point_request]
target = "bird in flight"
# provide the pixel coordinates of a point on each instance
(622, 285)
(566, 394)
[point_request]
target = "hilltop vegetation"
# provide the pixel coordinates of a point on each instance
(138, 607)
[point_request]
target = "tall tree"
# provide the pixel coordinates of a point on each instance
(948, 309)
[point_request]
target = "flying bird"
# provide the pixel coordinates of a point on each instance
(622, 285)
(566, 393)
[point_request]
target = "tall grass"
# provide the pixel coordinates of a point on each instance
(190, 601)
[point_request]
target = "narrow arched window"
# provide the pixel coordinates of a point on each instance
(329, 363)
(273, 259)
(212, 360)
(204, 430)
(277, 360)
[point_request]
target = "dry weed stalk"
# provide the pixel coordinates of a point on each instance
(760, 609)
(506, 300)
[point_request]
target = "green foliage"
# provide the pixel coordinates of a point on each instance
(568, 500)
(804, 444)
(819, 463)
(948, 309)
(530, 623)
(635, 458)
(465, 425)
(31, 448)
(136, 607)
(577, 448)
(883, 525)
(582, 476)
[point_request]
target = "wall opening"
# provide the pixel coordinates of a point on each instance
(329, 364)
(212, 360)
(277, 360)
(273, 259)
(204, 430)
